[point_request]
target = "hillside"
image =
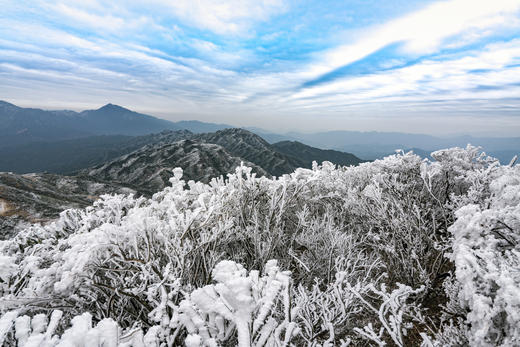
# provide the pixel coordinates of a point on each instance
(69, 156)
(42, 197)
(307, 154)
(149, 169)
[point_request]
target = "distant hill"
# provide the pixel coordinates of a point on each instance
(375, 145)
(307, 154)
(253, 148)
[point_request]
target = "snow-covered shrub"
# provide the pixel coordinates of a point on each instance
(328, 313)
(360, 257)
(394, 313)
(250, 304)
(486, 253)
(38, 332)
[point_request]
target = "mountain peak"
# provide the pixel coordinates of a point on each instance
(112, 107)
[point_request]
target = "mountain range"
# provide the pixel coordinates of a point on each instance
(78, 156)
(33, 127)
(207, 155)
(73, 155)
(39, 197)
(376, 145)
(28, 125)
(149, 169)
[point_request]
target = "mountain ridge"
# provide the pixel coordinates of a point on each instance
(305, 155)
(71, 156)
(19, 126)
(149, 168)
(48, 126)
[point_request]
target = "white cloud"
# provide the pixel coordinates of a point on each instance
(425, 31)
(82, 18)
(441, 79)
(224, 16)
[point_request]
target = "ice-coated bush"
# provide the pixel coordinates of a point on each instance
(486, 253)
(400, 251)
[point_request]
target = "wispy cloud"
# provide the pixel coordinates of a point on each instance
(426, 31)
(494, 65)
(224, 17)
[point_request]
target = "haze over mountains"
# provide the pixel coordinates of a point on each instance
(24, 130)
(375, 145)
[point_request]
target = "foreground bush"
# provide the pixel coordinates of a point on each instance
(400, 251)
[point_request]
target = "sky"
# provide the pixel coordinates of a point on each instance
(436, 67)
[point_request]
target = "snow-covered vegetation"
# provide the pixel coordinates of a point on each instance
(400, 251)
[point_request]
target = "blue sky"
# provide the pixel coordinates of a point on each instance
(439, 67)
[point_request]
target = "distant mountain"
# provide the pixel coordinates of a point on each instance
(149, 169)
(71, 156)
(23, 125)
(208, 155)
(375, 145)
(116, 120)
(305, 155)
(41, 197)
(26, 125)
